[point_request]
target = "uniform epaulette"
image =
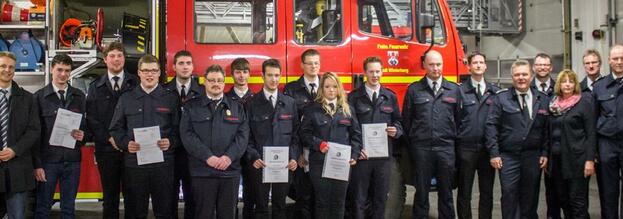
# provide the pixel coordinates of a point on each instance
(502, 90)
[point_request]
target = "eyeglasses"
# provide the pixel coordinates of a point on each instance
(213, 80)
(150, 70)
(542, 65)
(311, 63)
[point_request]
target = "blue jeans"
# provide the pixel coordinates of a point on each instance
(68, 173)
(15, 204)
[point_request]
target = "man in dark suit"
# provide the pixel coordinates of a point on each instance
(304, 91)
(592, 67)
(186, 86)
(477, 95)
(608, 95)
(19, 133)
(516, 137)
(57, 164)
(543, 68)
(103, 94)
(430, 116)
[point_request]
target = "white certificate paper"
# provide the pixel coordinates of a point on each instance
(336, 160)
(276, 160)
(375, 139)
(148, 138)
(61, 131)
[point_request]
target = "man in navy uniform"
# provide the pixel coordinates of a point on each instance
(304, 91)
(19, 133)
(592, 67)
(56, 164)
(608, 96)
(543, 68)
(516, 137)
(103, 94)
(373, 103)
(473, 156)
(148, 105)
(430, 115)
(186, 86)
(215, 133)
(273, 121)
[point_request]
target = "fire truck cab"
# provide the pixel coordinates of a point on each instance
(345, 32)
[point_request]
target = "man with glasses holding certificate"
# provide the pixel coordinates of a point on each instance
(376, 108)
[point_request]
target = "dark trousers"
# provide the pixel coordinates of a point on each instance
(15, 204)
(277, 193)
(67, 175)
(368, 188)
(143, 183)
(571, 194)
(111, 167)
(610, 167)
(182, 176)
(330, 195)
(215, 197)
(469, 162)
(520, 178)
(304, 194)
(438, 163)
(248, 191)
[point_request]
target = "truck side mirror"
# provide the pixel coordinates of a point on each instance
(427, 21)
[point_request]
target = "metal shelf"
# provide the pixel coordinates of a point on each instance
(22, 26)
(29, 73)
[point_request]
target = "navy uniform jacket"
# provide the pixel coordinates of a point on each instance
(298, 91)
(550, 90)
(385, 110)
(194, 90)
(507, 131)
(318, 126)
(138, 109)
(23, 134)
(272, 126)
(473, 116)
(101, 102)
(584, 84)
(609, 99)
(216, 132)
(232, 95)
(431, 120)
(49, 103)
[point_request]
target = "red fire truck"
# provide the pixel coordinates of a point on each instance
(345, 32)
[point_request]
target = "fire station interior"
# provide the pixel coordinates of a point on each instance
(503, 30)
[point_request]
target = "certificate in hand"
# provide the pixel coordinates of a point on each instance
(61, 131)
(276, 160)
(375, 139)
(148, 138)
(336, 160)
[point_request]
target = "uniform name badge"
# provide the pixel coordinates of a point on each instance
(375, 139)
(336, 162)
(276, 160)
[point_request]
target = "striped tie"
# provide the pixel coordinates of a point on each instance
(4, 117)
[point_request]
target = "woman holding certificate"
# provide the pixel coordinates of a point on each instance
(333, 136)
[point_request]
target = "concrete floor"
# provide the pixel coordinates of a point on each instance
(93, 209)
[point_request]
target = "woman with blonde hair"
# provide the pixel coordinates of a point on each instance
(329, 119)
(572, 145)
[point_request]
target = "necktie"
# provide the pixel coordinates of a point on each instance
(313, 89)
(543, 87)
(332, 106)
(272, 100)
(183, 93)
(479, 92)
(374, 97)
(619, 80)
(116, 86)
(434, 87)
(61, 93)
(4, 117)
(524, 107)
